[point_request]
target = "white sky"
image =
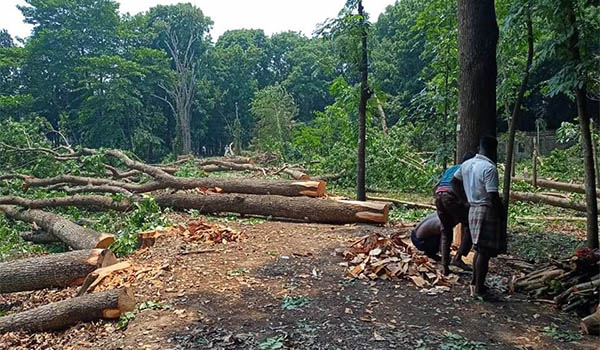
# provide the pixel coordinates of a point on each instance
(270, 15)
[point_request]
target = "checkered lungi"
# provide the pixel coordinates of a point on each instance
(487, 230)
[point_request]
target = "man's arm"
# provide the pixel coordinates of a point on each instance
(459, 189)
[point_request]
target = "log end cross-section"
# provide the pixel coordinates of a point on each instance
(55, 316)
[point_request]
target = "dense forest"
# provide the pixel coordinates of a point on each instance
(254, 191)
(158, 84)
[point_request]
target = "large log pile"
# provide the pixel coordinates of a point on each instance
(572, 285)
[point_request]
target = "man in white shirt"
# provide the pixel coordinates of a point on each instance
(477, 181)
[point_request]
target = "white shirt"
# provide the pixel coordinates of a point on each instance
(479, 176)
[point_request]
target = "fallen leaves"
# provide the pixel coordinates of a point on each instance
(377, 256)
(202, 231)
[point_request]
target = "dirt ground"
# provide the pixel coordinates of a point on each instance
(282, 287)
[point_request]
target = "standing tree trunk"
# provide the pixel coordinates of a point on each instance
(586, 137)
(514, 121)
(184, 89)
(361, 193)
(477, 40)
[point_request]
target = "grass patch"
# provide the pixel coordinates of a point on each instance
(294, 303)
(541, 246)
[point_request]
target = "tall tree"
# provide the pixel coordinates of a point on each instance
(510, 142)
(477, 40)
(574, 47)
(365, 93)
(183, 32)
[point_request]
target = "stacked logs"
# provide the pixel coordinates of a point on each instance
(59, 271)
(571, 284)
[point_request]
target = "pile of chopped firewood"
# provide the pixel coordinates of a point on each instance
(377, 256)
(571, 284)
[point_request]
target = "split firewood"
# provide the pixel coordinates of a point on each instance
(73, 235)
(109, 304)
(591, 323)
(53, 270)
(299, 208)
(96, 276)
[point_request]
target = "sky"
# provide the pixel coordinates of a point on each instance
(272, 16)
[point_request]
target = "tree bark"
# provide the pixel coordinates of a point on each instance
(109, 304)
(361, 193)
(514, 121)
(53, 270)
(296, 174)
(561, 186)
(39, 237)
(94, 202)
(586, 136)
(73, 235)
(298, 208)
(477, 40)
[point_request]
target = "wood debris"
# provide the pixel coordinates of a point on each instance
(202, 231)
(571, 284)
(377, 256)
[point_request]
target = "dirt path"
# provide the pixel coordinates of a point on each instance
(283, 288)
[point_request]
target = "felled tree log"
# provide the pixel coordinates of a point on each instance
(53, 270)
(410, 205)
(591, 323)
(550, 200)
(299, 208)
(296, 174)
(561, 186)
(96, 276)
(55, 316)
(329, 177)
(40, 237)
(90, 202)
(75, 236)
(216, 165)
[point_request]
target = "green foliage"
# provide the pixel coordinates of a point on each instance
(190, 169)
(147, 215)
(453, 341)
(272, 343)
(294, 303)
(11, 243)
(407, 215)
(562, 336)
(274, 110)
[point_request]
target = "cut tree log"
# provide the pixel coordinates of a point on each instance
(215, 166)
(89, 202)
(39, 237)
(555, 185)
(410, 205)
(55, 316)
(296, 174)
(550, 200)
(330, 177)
(96, 276)
(232, 185)
(53, 270)
(75, 236)
(299, 208)
(591, 324)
